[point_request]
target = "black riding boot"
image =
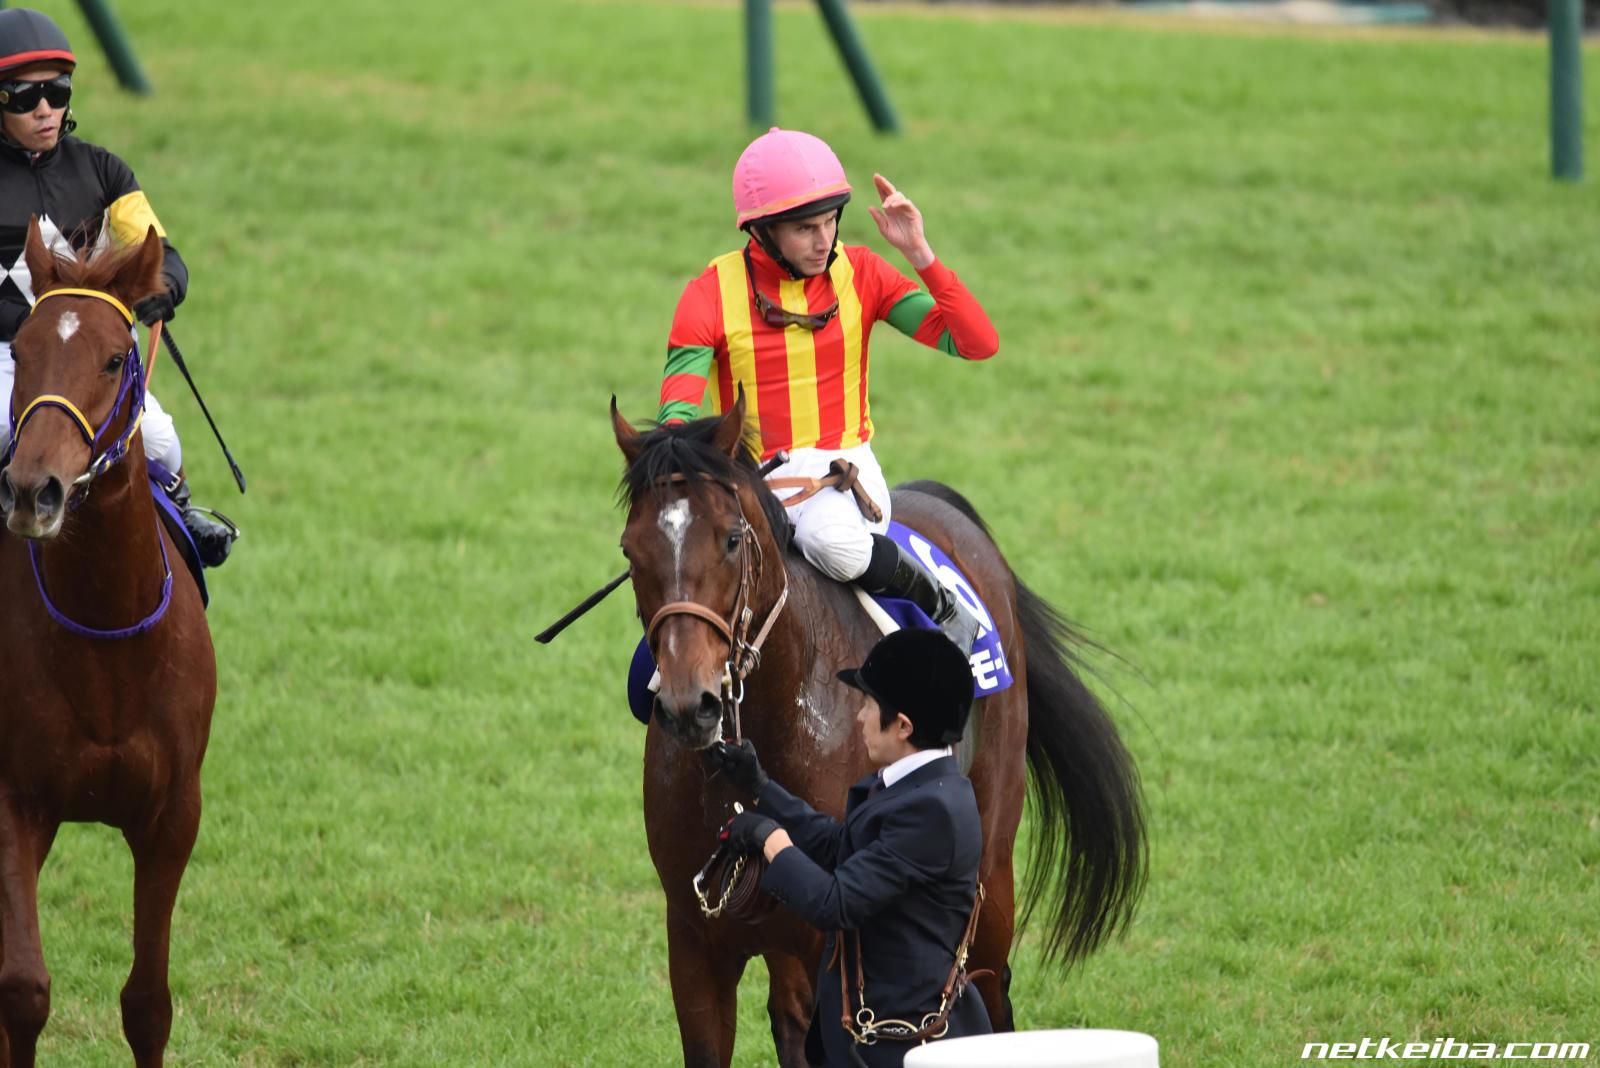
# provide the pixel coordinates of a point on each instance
(895, 572)
(213, 532)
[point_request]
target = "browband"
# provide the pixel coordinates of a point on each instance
(95, 293)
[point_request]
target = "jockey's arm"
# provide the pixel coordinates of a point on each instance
(944, 315)
(691, 348)
(131, 217)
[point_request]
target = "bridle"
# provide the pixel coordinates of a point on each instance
(131, 391)
(744, 654)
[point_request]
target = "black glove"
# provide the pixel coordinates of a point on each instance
(156, 307)
(740, 764)
(747, 832)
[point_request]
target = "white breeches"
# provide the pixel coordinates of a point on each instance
(829, 528)
(160, 436)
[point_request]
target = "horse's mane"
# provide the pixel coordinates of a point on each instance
(686, 449)
(91, 269)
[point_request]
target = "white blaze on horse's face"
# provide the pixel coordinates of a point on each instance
(674, 522)
(67, 325)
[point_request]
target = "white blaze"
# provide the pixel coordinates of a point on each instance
(674, 522)
(67, 325)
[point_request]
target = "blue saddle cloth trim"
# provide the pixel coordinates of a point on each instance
(990, 672)
(173, 519)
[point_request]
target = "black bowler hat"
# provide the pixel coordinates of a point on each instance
(922, 674)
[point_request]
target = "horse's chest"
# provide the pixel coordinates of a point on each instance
(80, 743)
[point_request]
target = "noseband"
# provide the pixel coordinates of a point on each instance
(132, 392)
(744, 655)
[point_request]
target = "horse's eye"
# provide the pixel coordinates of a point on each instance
(734, 540)
(115, 363)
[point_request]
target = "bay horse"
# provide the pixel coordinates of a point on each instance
(107, 675)
(705, 540)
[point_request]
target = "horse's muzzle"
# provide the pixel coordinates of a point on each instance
(36, 510)
(693, 725)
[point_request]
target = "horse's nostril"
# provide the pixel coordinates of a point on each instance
(50, 496)
(8, 492)
(710, 710)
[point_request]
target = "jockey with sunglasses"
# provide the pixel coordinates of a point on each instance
(85, 197)
(788, 318)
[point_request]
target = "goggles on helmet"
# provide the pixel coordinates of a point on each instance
(775, 314)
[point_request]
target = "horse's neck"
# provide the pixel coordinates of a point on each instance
(821, 623)
(106, 570)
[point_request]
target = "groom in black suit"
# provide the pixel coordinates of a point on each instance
(895, 883)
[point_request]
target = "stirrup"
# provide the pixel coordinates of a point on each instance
(234, 533)
(214, 545)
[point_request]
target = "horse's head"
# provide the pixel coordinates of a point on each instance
(74, 389)
(704, 548)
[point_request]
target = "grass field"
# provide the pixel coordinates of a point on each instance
(1298, 409)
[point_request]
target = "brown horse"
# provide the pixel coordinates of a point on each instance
(107, 676)
(706, 539)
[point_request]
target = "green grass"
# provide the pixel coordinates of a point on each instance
(1296, 409)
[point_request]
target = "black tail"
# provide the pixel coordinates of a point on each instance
(1088, 849)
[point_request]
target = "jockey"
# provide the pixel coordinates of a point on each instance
(85, 197)
(787, 318)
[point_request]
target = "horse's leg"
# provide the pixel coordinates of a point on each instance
(991, 946)
(999, 775)
(24, 981)
(160, 853)
(705, 991)
(790, 996)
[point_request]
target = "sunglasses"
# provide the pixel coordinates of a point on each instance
(19, 98)
(775, 314)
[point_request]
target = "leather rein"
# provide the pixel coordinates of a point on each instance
(744, 653)
(866, 1029)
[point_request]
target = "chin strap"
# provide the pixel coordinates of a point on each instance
(758, 230)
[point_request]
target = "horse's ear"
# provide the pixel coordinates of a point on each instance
(140, 275)
(40, 260)
(627, 437)
(729, 437)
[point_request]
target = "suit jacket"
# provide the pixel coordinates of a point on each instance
(901, 870)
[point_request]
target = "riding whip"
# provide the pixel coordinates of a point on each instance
(544, 636)
(177, 358)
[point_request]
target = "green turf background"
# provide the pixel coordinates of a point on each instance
(1297, 409)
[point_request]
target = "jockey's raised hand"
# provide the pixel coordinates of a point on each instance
(900, 223)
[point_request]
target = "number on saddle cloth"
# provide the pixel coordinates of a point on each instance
(990, 672)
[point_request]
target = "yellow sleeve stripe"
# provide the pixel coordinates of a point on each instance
(737, 326)
(131, 218)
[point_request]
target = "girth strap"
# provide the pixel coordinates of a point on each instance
(843, 476)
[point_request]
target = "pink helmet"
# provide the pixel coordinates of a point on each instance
(784, 171)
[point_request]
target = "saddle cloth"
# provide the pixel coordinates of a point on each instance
(990, 674)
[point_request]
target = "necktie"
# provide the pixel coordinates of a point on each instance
(877, 785)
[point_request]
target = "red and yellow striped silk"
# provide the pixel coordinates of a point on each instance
(802, 388)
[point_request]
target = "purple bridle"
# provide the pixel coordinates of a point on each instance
(131, 391)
